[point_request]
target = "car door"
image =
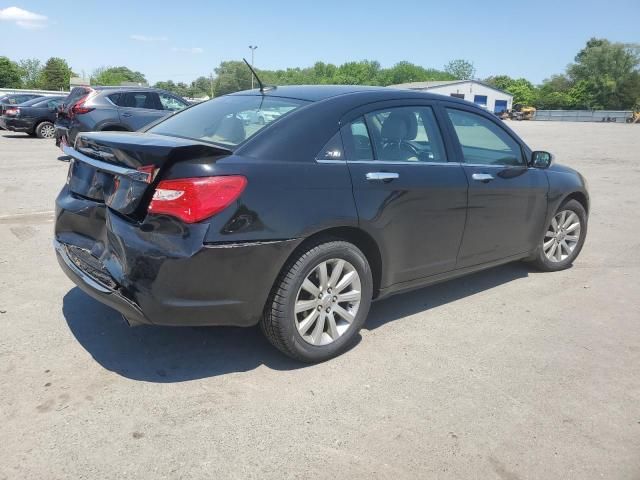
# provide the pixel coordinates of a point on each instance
(138, 109)
(507, 199)
(409, 197)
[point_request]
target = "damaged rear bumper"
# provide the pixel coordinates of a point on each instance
(162, 272)
(96, 287)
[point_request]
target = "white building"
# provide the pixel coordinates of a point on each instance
(491, 98)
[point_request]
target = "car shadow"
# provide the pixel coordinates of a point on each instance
(169, 354)
(400, 306)
(166, 354)
(24, 135)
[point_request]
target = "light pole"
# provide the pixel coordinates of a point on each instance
(253, 50)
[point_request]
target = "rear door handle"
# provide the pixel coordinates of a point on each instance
(126, 114)
(381, 176)
(482, 177)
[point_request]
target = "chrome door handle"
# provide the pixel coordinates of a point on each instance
(381, 176)
(482, 177)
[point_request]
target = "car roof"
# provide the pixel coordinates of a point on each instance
(125, 88)
(314, 93)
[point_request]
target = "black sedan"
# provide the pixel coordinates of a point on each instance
(35, 117)
(350, 194)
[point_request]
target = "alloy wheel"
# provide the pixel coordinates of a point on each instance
(47, 131)
(562, 236)
(327, 302)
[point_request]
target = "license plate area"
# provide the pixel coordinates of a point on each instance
(120, 188)
(89, 182)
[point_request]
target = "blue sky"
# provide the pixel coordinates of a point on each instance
(182, 40)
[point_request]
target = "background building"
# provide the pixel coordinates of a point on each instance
(491, 98)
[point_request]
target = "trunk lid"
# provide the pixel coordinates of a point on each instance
(121, 169)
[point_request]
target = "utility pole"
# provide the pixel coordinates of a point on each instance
(211, 80)
(253, 49)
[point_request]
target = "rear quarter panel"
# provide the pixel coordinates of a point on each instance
(283, 200)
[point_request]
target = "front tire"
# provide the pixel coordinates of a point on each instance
(563, 238)
(319, 302)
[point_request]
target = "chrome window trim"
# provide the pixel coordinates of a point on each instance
(483, 165)
(383, 162)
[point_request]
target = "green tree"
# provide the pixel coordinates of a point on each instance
(179, 88)
(460, 69)
(116, 76)
(10, 74)
(31, 72)
(609, 73)
(499, 81)
(200, 87)
(56, 74)
(523, 90)
(560, 92)
(232, 76)
(406, 72)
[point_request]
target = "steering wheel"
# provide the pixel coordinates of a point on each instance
(407, 146)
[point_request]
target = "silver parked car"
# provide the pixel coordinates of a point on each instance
(91, 109)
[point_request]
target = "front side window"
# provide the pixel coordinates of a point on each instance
(483, 142)
(406, 134)
(171, 103)
(228, 120)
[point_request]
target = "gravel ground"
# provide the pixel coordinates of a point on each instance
(508, 374)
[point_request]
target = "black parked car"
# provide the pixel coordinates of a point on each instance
(351, 195)
(7, 101)
(35, 117)
(127, 109)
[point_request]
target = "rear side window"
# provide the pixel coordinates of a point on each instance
(147, 100)
(228, 120)
(401, 134)
(406, 134)
(483, 142)
(53, 104)
(360, 140)
(333, 150)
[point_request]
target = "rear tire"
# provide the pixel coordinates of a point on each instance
(45, 130)
(324, 326)
(562, 240)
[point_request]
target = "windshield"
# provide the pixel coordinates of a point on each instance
(228, 120)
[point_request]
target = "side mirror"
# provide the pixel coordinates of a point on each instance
(540, 159)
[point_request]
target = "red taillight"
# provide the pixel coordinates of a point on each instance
(194, 199)
(79, 107)
(12, 111)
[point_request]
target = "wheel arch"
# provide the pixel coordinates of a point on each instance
(579, 197)
(40, 121)
(357, 237)
(112, 127)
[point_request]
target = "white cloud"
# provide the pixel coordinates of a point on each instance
(147, 38)
(23, 18)
(194, 50)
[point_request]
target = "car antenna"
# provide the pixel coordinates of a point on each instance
(262, 86)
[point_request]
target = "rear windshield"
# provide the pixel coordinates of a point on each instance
(228, 120)
(76, 94)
